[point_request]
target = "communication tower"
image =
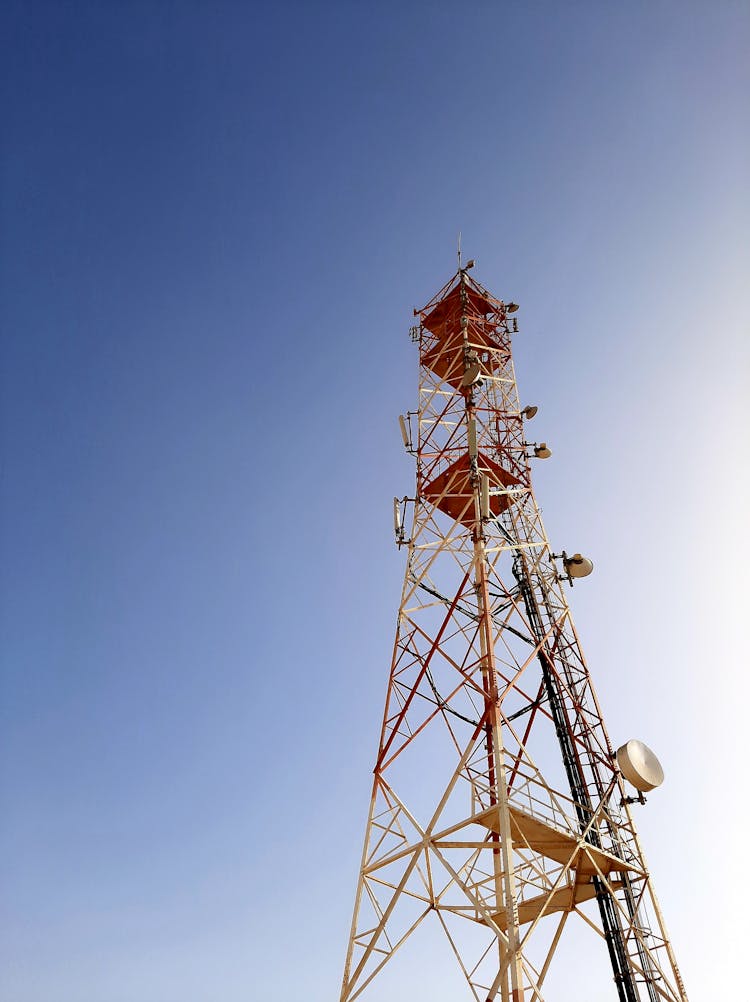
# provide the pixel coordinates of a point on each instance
(499, 807)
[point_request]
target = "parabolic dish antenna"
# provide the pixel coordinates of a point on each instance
(640, 766)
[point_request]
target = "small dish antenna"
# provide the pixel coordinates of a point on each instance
(577, 566)
(472, 375)
(639, 766)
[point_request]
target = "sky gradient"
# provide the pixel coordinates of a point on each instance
(216, 220)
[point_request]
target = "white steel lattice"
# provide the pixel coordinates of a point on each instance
(497, 807)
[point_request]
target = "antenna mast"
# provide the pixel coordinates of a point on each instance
(499, 807)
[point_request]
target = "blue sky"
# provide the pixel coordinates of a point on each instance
(216, 220)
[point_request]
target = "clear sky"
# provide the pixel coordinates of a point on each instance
(216, 219)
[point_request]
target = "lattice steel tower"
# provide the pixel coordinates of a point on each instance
(498, 806)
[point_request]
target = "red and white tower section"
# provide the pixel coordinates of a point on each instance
(499, 808)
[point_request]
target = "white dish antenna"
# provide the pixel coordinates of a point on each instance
(472, 375)
(640, 766)
(578, 566)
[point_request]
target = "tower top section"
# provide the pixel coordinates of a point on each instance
(464, 324)
(462, 298)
